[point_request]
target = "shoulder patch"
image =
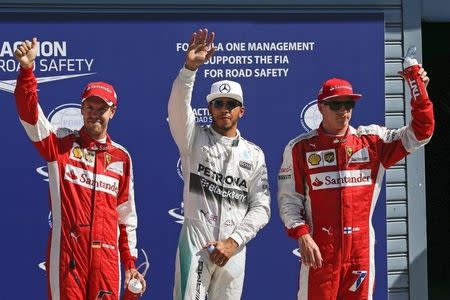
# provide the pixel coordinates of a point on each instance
(367, 130)
(302, 137)
(63, 132)
(254, 146)
(118, 146)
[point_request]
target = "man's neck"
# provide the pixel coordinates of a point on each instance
(99, 137)
(231, 132)
(101, 140)
(334, 131)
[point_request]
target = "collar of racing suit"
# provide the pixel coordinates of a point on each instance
(334, 139)
(92, 144)
(224, 140)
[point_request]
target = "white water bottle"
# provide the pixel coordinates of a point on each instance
(231, 267)
(411, 73)
(133, 290)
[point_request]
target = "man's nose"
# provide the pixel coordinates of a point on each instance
(224, 109)
(95, 113)
(343, 109)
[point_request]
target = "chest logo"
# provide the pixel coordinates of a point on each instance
(107, 159)
(90, 180)
(360, 156)
(349, 151)
(77, 153)
(317, 182)
(340, 179)
(82, 155)
(323, 158)
(314, 159)
(245, 165)
(89, 157)
(116, 167)
(329, 157)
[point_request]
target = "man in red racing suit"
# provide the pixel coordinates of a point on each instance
(91, 192)
(329, 183)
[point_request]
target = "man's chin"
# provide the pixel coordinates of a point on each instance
(94, 132)
(225, 127)
(343, 123)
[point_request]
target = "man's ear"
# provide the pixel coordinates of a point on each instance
(113, 111)
(241, 111)
(209, 108)
(320, 107)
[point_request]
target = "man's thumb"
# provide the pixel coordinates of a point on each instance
(34, 42)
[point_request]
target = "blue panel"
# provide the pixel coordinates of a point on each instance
(140, 58)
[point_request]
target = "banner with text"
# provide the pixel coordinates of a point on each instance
(280, 61)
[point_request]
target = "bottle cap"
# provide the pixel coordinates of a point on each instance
(211, 248)
(410, 62)
(135, 286)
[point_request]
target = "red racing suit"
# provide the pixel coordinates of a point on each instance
(92, 203)
(328, 187)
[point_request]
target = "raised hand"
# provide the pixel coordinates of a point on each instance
(200, 49)
(26, 53)
(423, 75)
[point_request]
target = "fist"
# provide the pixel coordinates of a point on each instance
(26, 53)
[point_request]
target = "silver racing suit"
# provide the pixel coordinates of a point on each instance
(226, 194)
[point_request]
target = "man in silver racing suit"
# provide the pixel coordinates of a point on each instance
(226, 192)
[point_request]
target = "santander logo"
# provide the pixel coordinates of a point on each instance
(317, 182)
(72, 175)
(328, 180)
(90, 180)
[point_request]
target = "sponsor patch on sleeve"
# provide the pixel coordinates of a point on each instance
(285, 172)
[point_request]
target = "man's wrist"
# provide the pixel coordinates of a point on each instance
(237, 238)
(129, 265)
(304, 237)
(27, 66)
(233, 242)
(190, 67)
(298, 231)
